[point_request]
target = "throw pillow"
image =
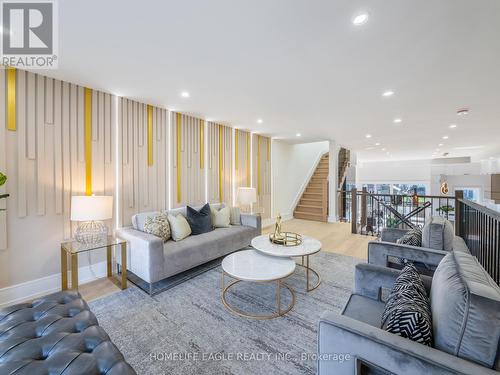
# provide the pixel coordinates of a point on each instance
(158, 226)
(235, 216)
(199, 221)
(407, 311)
(179, 227)
(220, 218)
(413, 237)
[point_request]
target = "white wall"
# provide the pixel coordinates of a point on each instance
(293, 165)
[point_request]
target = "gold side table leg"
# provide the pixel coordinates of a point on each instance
(124, 265)
(74, 271)
(278, 296)
(307, 272)
(64, 270)
(109, 261)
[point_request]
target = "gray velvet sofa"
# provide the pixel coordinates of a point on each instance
(153, 260)
(56, 334)
(438, 239)
(465, 304)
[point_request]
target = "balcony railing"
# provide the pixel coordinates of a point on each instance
(480, 228)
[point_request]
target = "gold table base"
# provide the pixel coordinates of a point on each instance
(244, 314)
(308, 271)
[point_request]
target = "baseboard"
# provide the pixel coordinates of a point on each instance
(30, 290)
(332, 219)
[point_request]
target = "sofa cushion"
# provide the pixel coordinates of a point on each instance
(220, 218)
(407, 311)
(438, 234)
(465, 305)
(158, 226)
(199, 221)
(364, 309)
(139, 219)
(179, 227)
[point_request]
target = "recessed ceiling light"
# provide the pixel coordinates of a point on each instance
(452, 126)
(441, 144)
(388, 93)
(445, 137)
(260, 121)
(298, 135)
(185, 94)
(377, 144)
(360, 19)
(384, 149)
(397, 120)
(368, 136)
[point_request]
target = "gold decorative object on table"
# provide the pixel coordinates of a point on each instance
(284, 238)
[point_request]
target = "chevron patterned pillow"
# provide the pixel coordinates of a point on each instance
(407, 311)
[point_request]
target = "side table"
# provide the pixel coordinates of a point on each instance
(71, 249)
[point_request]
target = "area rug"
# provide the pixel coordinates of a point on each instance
(187, 330)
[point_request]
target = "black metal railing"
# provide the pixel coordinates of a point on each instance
(480, 228)
(372, 212)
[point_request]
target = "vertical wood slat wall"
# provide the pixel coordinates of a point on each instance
(242, 156)
(144, 185)
(46, 146)
(187, 145)
(220, 163)
(261, 168)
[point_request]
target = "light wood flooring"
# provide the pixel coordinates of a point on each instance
(335, 237)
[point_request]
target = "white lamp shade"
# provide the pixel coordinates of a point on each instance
(247, 195)
(91, 207)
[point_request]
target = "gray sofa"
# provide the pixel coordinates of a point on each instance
(465, 304)
(56, 334)
(153, 260)
(438, 239)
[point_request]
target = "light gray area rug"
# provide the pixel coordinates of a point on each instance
(187, 330)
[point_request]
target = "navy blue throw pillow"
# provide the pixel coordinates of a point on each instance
(199, 221)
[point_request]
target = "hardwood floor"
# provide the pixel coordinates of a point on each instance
(335, 237)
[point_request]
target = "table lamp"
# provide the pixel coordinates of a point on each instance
(90, 210)
(247, 196)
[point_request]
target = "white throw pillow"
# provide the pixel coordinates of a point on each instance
(179, 227)
(220, 218)
(235, 216)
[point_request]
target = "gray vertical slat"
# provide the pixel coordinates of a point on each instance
(31, 116)
(58, 161)
(49, 101)
(21, 144)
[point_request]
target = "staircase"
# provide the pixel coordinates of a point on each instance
(313, 204)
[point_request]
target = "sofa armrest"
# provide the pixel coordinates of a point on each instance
(254, 221)
(378, 251)
(392, 234)
(355, 340)
(145, 252)
(370, 279)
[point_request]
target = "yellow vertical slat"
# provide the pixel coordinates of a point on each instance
(202, 144)
(258, 164)
(248, 159)
(178, 157)
(268, 148)
(150, 135)
(11, 99)
(221, 163)
(88, 141)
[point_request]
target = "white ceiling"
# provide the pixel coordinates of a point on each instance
(302, 66)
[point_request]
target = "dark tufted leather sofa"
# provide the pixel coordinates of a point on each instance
(56, 334)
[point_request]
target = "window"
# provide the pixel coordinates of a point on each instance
(471, 194)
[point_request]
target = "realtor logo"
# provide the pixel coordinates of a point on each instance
(29, 34)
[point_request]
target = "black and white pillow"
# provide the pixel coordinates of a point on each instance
(407, 311)
(413, 237)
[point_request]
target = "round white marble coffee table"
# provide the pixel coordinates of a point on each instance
(309, 246)
(252, 266)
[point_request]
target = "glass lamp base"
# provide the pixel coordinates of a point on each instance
(91, 232)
